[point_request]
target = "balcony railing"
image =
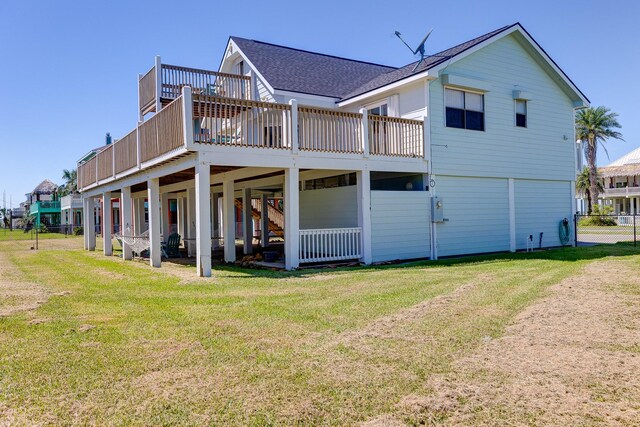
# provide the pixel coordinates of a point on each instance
(239, 123)
(622, 192)
(163, 83)
(41, 205)
(330, 244)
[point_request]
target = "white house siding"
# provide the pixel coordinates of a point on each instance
(539, 151)
(329, 208)
(540, 206)
(477, 210)
(264, 93)
(399, 225)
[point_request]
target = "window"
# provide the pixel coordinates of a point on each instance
(380, 110)
(464, 110)
(521, 113)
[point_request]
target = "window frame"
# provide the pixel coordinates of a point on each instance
(526, 113)
(464, 116)
(377, 104)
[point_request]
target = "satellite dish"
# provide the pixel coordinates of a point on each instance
(419, 49)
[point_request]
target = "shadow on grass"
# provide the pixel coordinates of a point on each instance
(566, 254)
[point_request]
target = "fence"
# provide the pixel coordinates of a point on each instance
(330, 244)
(606, 229)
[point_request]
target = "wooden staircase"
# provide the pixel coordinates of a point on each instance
(276, 217)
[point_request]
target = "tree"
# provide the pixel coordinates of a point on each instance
(594, 126)
(583, 185)
(70, 185)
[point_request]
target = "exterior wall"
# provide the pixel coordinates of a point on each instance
(329, 208)
(477, 210)
(399, 225)
(543, 150)
(540, 206)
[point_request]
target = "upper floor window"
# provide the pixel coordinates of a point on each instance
(521, 113)
(379, 110)
(464, 110)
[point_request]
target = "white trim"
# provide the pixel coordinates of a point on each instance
(427, 75)
(310, 96)
(512, 215)
(249, 63)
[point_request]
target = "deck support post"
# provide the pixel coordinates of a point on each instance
(247, 221)
(106, 223)
(86, 208)
(191, 221)
(291, 218)
(364, 131)
(164, 211)
(153, 190)
(264, 219)
(203, 218)
(215, 220)
(229, 221)
(91, 225)
(158, 71)
(125, 208)
(364, 213)
(139, 216)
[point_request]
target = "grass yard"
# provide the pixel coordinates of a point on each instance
(88, 339)
(13, 235)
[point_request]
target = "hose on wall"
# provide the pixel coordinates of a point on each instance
(564, 232)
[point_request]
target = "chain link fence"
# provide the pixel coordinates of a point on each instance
(606, 229)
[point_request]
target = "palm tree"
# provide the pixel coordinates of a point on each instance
(70, 185)
(595, 126)
(583, 185)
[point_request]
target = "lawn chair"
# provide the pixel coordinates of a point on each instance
(171, 249)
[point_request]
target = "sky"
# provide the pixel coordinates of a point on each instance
(69, 69)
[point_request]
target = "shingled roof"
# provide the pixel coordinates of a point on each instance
(429, 62)
(45, 187)
(627, 165)
(301, 71)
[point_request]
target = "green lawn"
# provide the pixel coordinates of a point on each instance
(120, 343)
(10, 235)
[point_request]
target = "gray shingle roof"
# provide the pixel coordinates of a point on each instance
(429, 62)
(312, 73)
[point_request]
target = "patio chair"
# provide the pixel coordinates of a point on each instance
(171, 249)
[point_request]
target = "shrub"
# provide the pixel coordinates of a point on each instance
(78, 231)
(43, 229)
(599, 217)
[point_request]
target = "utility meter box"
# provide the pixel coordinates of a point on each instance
(437, 209)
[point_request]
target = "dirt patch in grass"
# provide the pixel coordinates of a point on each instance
(16, 295)
(564, 361)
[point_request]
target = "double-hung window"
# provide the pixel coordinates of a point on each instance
(521, 113)
(464, 110)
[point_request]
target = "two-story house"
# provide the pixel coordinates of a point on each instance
(621, 183)
(43, 204)
(472, 151)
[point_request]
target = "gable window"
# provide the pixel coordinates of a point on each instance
(521, 113)
(464, 110)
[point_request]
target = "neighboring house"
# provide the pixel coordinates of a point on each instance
(621, 182)
(472, 152)
(43, 204)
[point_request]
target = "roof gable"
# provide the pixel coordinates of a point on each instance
(45, 187)
(312, 73)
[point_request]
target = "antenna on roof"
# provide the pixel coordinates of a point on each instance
(419, 49)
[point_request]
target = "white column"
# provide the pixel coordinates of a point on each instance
(125, 208)
(164, 211)
(363, 178)
(85, 221)
(203, 219)
(291, 218)
(264, 227)
(106, 223)
(228, 219)
(90, 227)
(215, 220)
(153, 190)
(181, 216)
(191, 221)
(247, 221)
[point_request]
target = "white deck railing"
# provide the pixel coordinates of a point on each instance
(330, 244)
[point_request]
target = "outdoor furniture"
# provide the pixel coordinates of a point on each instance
(171, 249)
(138, 244)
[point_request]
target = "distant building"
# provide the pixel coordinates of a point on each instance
(621, 181)
(44, 205)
